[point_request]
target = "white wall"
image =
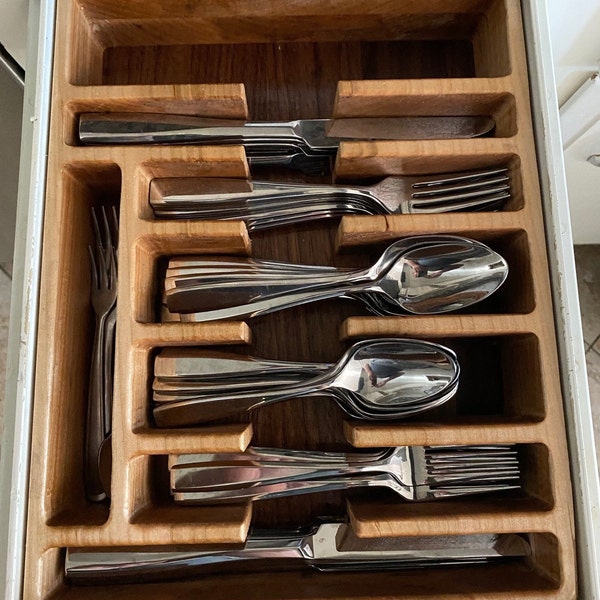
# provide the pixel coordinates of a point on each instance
(575, 31)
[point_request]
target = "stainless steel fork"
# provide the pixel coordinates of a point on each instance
(103, 297)
(270, 204)
(416, 473)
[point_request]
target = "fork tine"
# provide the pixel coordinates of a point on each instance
(459, 194)
(94, 269)
(479, 203)
(103, 269)
(451, 178)
(112, 268)
(486, 467)
(457, 190)
(470, 490)
(106, 238)
(96, 227)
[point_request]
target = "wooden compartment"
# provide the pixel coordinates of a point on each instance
(272, 60)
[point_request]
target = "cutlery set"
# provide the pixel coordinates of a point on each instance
(380, 379)
(415, 473)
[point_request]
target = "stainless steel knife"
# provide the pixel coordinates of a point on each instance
(328, 546)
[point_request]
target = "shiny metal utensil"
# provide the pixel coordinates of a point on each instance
(306, 145)
(224, 268)
(422, 280)
(315, 135)
(416, 473)
(326, 546)
(103, 296)
(179, 364)
(387, 379)
(195, 371)
(268, 204)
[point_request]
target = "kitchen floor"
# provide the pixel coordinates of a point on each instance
(587, 259)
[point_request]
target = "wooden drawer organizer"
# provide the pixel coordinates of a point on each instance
(270, 60)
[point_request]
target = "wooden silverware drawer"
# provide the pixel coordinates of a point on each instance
(280, 61)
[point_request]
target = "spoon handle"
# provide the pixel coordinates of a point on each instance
(264, 306)
(221, 293)
(192, 411)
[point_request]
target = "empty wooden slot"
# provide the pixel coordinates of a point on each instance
(307, 47)
(83, 186)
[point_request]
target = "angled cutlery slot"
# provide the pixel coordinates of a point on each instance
(152, 508)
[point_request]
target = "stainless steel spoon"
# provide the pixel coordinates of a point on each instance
(389, 376)
(421, 280)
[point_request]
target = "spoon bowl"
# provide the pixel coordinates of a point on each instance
(442, 277)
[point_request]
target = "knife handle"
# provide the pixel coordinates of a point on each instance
(90, 567)
(139, 128)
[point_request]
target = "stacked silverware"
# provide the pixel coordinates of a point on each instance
(307, 145)
(328, 545)
(426, 274)
(415, 473)
(103, 258)
(378, 379)
(266, 204)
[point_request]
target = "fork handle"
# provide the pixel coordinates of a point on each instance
(279, 489)
(263, 194)
(242, 475)
(261, 469)
(95, 417)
